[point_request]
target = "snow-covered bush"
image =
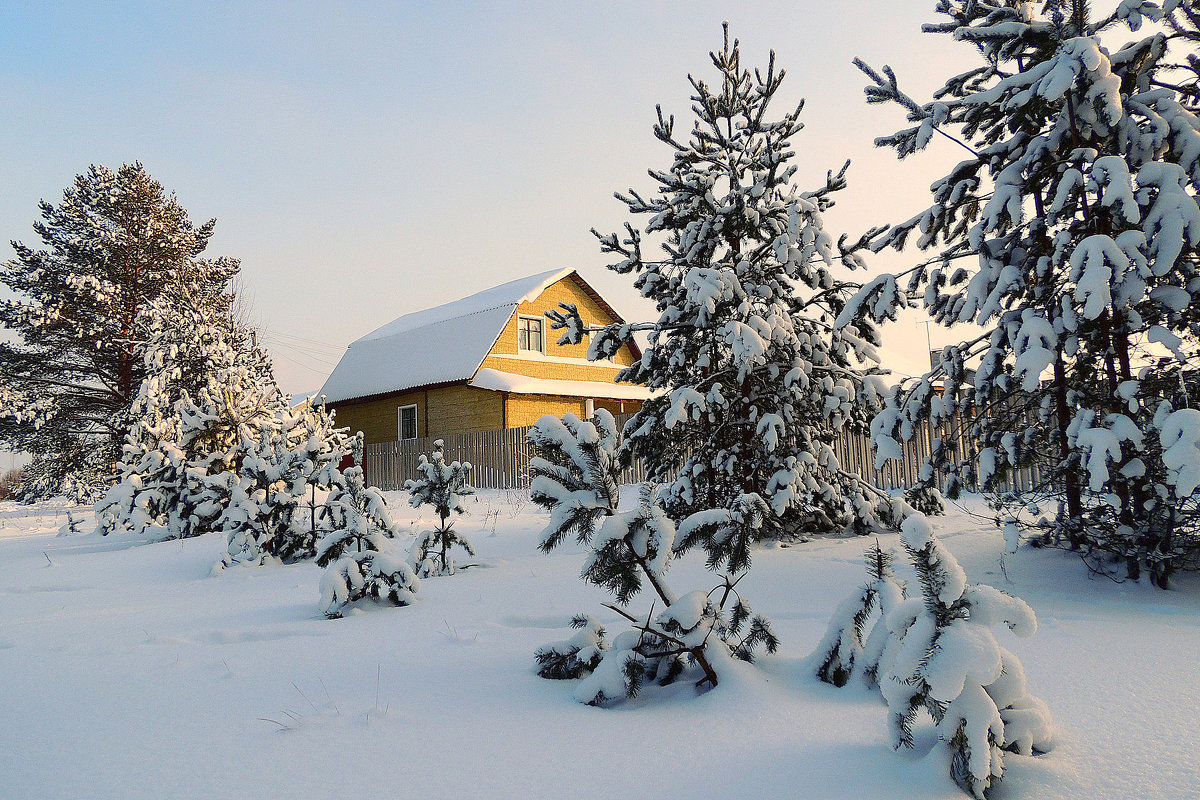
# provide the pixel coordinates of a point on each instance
(577, 656)
(1070, 234)
(576, 477)
(941, 657)
(847, 645)
(270, 508)
(358, 551)
(206, 388)
(755, 383)
(378, 574)
(442, 486)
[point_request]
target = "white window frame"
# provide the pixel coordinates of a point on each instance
(542, 326)
(400, 423)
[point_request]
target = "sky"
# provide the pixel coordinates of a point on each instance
(364, 160)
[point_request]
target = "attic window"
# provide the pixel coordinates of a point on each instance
(529, 335)
(406, 422)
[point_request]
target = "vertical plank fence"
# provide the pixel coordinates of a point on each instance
(500, 458)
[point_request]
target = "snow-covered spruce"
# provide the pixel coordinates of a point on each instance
(206, 387)
(577, 656)
(1069, 233)
(442, 486)
(847, 646)
(272, 511)
(943, 658)
(378, 574)
(358, 552)
(576, 477)
(755, 382)
(923, 496)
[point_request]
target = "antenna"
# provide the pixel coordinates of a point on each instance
(929, 343)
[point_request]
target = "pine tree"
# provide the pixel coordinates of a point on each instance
(359, 558)
(84, 308)
(576, 477)
(755, 381)
(208, 390)
(442, 486)
(1070, 234)
(944, 659)
(845, 646)
(270, 512)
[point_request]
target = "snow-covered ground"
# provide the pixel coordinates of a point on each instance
(126, 671)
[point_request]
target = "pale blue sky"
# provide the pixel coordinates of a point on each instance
(369, 159)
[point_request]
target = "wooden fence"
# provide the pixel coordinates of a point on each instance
(500, 459)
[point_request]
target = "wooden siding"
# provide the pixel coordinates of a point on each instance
(550, 370)
(566, 290)
(526, 409)
(440, 411)
(377, 418)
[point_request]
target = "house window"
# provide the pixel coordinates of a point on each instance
(406, 422)
(529, 335)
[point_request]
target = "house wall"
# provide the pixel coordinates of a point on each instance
(377, 418)
(618, 407)
(526, 409)
(464, 409)
(505, 357)
(440, 411)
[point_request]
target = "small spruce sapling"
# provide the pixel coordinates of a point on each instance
(576, 656)
(359, 560)
(576, 478)
(924, 496)
(442, 486)
(935, 652)
(73, 526)
(944, 659)
(845, 645)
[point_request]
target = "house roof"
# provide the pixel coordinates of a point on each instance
(440, 345)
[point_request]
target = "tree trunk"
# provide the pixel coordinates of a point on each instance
(1071, 483)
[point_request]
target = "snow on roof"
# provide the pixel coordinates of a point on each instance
(512, 293)
(437, 345)
(496, 380)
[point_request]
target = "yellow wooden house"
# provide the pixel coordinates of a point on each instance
(482, 363)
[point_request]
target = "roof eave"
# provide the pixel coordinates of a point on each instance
(370, 398)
